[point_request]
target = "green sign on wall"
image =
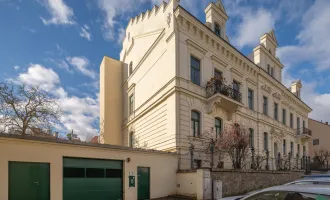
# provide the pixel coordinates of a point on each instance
(131, 181)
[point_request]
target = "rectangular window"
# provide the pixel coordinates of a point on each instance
(236, 86)
(217, 73)
(299, 131)
(276, 111)
(250, 99)
(198, 163)
(113, 173)
(265, 141)
(195, 65)
(265, 105)
(284, 116)
(291, 120)
(218, 125)
(73, 172)
(291, 149)
(272, 71)
(316, 142)
(268, 68)
(95, 173)
(304, 124)
(251, 138)
(131, 104)
(298, 150)
(284, 147)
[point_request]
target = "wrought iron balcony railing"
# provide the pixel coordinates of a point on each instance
(215, 86)
(304, 131)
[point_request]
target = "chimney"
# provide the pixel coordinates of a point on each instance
(296, 87)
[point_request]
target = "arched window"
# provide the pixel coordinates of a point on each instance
(251, 137)
(266, 141)
(130, 70)
(217, 29)
(195, 123)
(131, 139)
(218, 126)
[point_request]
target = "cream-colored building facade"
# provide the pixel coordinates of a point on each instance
(157, 93)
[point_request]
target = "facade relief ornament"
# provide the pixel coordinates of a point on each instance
(169, 19)
(277, 96)
(266, 88)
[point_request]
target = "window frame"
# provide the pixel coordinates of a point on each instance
(265, 105)
(131, 102)
(291, 120)
(316, 142)
(217, 27)
(251, 138)
(194, 121)
(275, 111)
(284, 116)
(131, 139)
(266, 141)
(130, 68)
(217, 127)
(251, 99)
(194, 70)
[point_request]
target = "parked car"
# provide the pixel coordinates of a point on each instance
(318, 176)
(292, 192)
(306, 181)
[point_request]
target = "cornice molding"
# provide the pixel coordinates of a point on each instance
(192, 44)
(219, 61)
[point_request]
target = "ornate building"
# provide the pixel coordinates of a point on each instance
(159, 95)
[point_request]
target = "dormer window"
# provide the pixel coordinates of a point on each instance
(217, 29)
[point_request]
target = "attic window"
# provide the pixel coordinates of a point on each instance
(217, 29)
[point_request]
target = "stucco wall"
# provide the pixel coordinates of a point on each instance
(236, 182)
(187, 183)
(162, 165)
(320, 131)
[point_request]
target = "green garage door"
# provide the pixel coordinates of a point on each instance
(86, 179)
(28, 181)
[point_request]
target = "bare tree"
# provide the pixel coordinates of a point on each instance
(234, 140)
(321, 156)
(24, 108)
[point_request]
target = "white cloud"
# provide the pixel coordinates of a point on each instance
(60, 13)
(16, 67)
(121, 35)
(85, 33)
(313, 39)
(38, 75)
(253, 25)
(81, 63)
(79, 114)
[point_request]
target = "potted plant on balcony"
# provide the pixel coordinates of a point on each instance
(216, 84)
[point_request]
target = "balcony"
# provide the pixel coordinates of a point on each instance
(304, 133)
(221, 95)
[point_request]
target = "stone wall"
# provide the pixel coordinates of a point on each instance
(241, 182)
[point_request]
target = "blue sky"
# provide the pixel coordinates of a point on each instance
(59, 45)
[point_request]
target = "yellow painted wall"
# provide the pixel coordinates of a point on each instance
(320, 131)
(162, 165)
(111, 101)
